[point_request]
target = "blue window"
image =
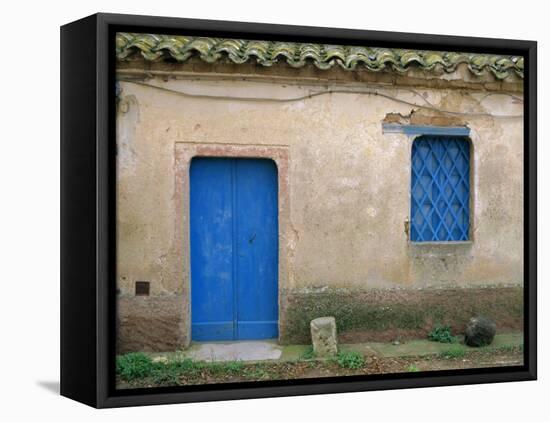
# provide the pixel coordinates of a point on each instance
(440, 189)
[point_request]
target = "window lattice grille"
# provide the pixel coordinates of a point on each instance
(440, 189)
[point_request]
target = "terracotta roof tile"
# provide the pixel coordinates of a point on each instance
(324, 56)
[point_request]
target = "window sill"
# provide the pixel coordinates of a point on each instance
(440, 249)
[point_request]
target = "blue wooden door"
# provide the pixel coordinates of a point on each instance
(234, 249)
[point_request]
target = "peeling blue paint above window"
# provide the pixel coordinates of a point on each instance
(440, 189)
(413, 130)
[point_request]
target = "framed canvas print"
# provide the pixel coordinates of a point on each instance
(253, 210)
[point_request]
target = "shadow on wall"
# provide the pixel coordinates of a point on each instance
(51, 386)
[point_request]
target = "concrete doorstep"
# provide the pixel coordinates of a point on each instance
(254, 351)
(235, 351)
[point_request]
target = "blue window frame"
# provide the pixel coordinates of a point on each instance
(440, 189)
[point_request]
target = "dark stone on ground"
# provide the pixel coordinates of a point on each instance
(480, 331)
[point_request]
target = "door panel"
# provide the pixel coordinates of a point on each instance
(257, 232)
(211, 250)
(234, 249)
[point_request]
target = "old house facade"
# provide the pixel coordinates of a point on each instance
(262, 184)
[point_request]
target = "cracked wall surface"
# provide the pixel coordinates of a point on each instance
(349, 185)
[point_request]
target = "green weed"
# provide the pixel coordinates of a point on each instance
(134, 365)
(350, 360)
(442, 334)
(454, 353)
(234, 368)
(413, 368)
(165, 374)
(308, 354)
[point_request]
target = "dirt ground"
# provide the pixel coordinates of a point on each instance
(213, 374)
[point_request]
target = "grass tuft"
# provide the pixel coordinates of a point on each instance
(453, 353)
(308, 354)
(413, 368)
(134, 365)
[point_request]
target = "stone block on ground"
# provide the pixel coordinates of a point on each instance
(480, 331)
(323, 336)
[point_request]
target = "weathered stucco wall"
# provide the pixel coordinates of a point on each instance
(349, 186)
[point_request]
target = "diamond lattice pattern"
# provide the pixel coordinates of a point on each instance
(440, 189)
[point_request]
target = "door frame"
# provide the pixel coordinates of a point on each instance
(184, 153)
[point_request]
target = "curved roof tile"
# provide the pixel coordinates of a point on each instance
(324, 56)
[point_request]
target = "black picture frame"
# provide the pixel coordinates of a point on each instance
(88, 148)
